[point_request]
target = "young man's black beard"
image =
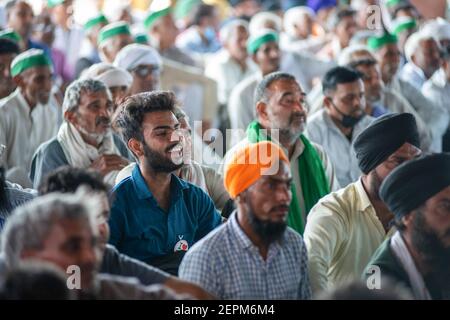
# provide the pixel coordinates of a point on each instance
(267, 231)
(3, 192)
(159, 163)
(431, 248)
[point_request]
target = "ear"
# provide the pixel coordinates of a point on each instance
(18, 80)
(70, 117)
(261, 111)
(136, 147)
(407, 220)
(327, 102)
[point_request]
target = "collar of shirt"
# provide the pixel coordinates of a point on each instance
(330, 124)
(24, 104)
(363, 198)
(298, 150)
(143, 192)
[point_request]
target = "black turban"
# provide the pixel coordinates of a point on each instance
(411, 184)
(383, 137)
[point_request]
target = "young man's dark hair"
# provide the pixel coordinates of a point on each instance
(8, 46)
(68, 179)
(35, 281)
(339, 75)
(134, 108)
(200, 12)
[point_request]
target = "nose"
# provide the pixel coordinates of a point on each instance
(284, 194)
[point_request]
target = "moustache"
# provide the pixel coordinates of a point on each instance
(281, 207)
(298, 115)
(102, 121)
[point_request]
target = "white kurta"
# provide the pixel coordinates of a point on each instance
(22, 132)
(227, 73)
(70, 43)
(323, 131)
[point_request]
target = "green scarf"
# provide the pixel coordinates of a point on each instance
(313, 180)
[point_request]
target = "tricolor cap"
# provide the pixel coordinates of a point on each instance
(377, 42)
(112, 30)
(10, 34)
(29, 59)
(99, 19)
(158, 9)
(259, 38)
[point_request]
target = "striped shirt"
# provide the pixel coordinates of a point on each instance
(228, 265)
(16, 197)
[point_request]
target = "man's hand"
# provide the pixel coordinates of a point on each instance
(107, 163)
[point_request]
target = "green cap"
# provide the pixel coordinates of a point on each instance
(256, 41)
(392, 3)
(184, 7)
(29, 59)
(377, 42)
(141, 38)
(154, 16)
(95, 21)
(54, 3)
(10, 34)
(112, 30)
(406, 24)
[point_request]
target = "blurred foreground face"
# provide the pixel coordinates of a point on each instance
(70, 242)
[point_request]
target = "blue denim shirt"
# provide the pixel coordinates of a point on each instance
(141, 229)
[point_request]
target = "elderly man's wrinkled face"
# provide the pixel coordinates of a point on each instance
(405, 153)
(372, 82)
(237, 44)
(389, 59)
(268, 57)
(7, 84)
(70, 242)
(93, 115)
(267, 204)
(427, 57)
(163, 142)
(285, 109)
(21, 19)
(119, 93)
(35, 84)
(146, 78)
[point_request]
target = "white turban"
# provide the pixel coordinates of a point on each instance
(439, 28)
(413, 42)
(293, 15)
(110, 75)
(135, 54)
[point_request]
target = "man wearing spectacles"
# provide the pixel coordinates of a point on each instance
(144, 64)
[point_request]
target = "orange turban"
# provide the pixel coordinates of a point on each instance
(250, 163)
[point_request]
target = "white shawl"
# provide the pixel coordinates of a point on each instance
(79, 154)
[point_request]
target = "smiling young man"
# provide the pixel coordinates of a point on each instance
(156, 217)
(85, 139)
(254, 255)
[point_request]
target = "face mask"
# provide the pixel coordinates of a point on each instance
(348, 121)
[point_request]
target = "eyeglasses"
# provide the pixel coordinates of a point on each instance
(145, 71)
